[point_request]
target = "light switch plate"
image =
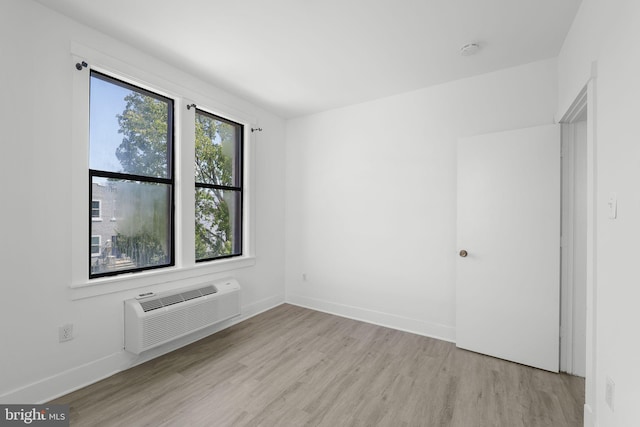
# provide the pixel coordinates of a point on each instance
(613, 206)
(610, 392)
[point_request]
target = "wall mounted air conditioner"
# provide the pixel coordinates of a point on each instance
(154, 319)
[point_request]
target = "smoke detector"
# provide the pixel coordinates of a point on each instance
(469, 49)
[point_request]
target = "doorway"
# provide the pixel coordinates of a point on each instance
(582, 113)
(573, 318)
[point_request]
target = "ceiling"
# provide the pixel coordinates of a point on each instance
(297, 57)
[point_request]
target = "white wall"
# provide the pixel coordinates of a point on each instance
(606, 31)
(371, 195)
(590, 28)
(36, 84)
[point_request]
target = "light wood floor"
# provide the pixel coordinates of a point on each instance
(292, 366)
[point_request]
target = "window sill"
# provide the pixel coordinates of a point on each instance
(169, 275)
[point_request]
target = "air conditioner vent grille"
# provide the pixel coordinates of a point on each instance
(171, 299)
(191, 294)
(208, 290)
(149, 305)
(156, 303)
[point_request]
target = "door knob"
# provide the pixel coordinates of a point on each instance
(463, 253)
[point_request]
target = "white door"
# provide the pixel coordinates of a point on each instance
(508, 284)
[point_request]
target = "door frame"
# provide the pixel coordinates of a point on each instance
(568, 285)
(587, 95)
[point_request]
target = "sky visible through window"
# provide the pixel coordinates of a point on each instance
(107, 101)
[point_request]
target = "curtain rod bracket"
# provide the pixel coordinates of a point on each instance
(256, 129)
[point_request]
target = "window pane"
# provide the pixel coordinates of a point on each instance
(129, 130)
(217, 151)
(95, 245)
(95, 209)
(140, 236)
(218, 223)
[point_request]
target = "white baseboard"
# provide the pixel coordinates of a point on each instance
(65, 382)
(261, 306)
(420, 327)
(589, 420)
(81, 376)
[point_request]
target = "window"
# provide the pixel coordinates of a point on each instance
(136, 208)
(131, 167)
(218, 187)
(95, 210)
(95, 245)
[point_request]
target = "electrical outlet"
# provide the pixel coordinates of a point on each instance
(65, 333)
(610, 392)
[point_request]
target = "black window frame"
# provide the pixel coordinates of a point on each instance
(239, 142)
(169, 181)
